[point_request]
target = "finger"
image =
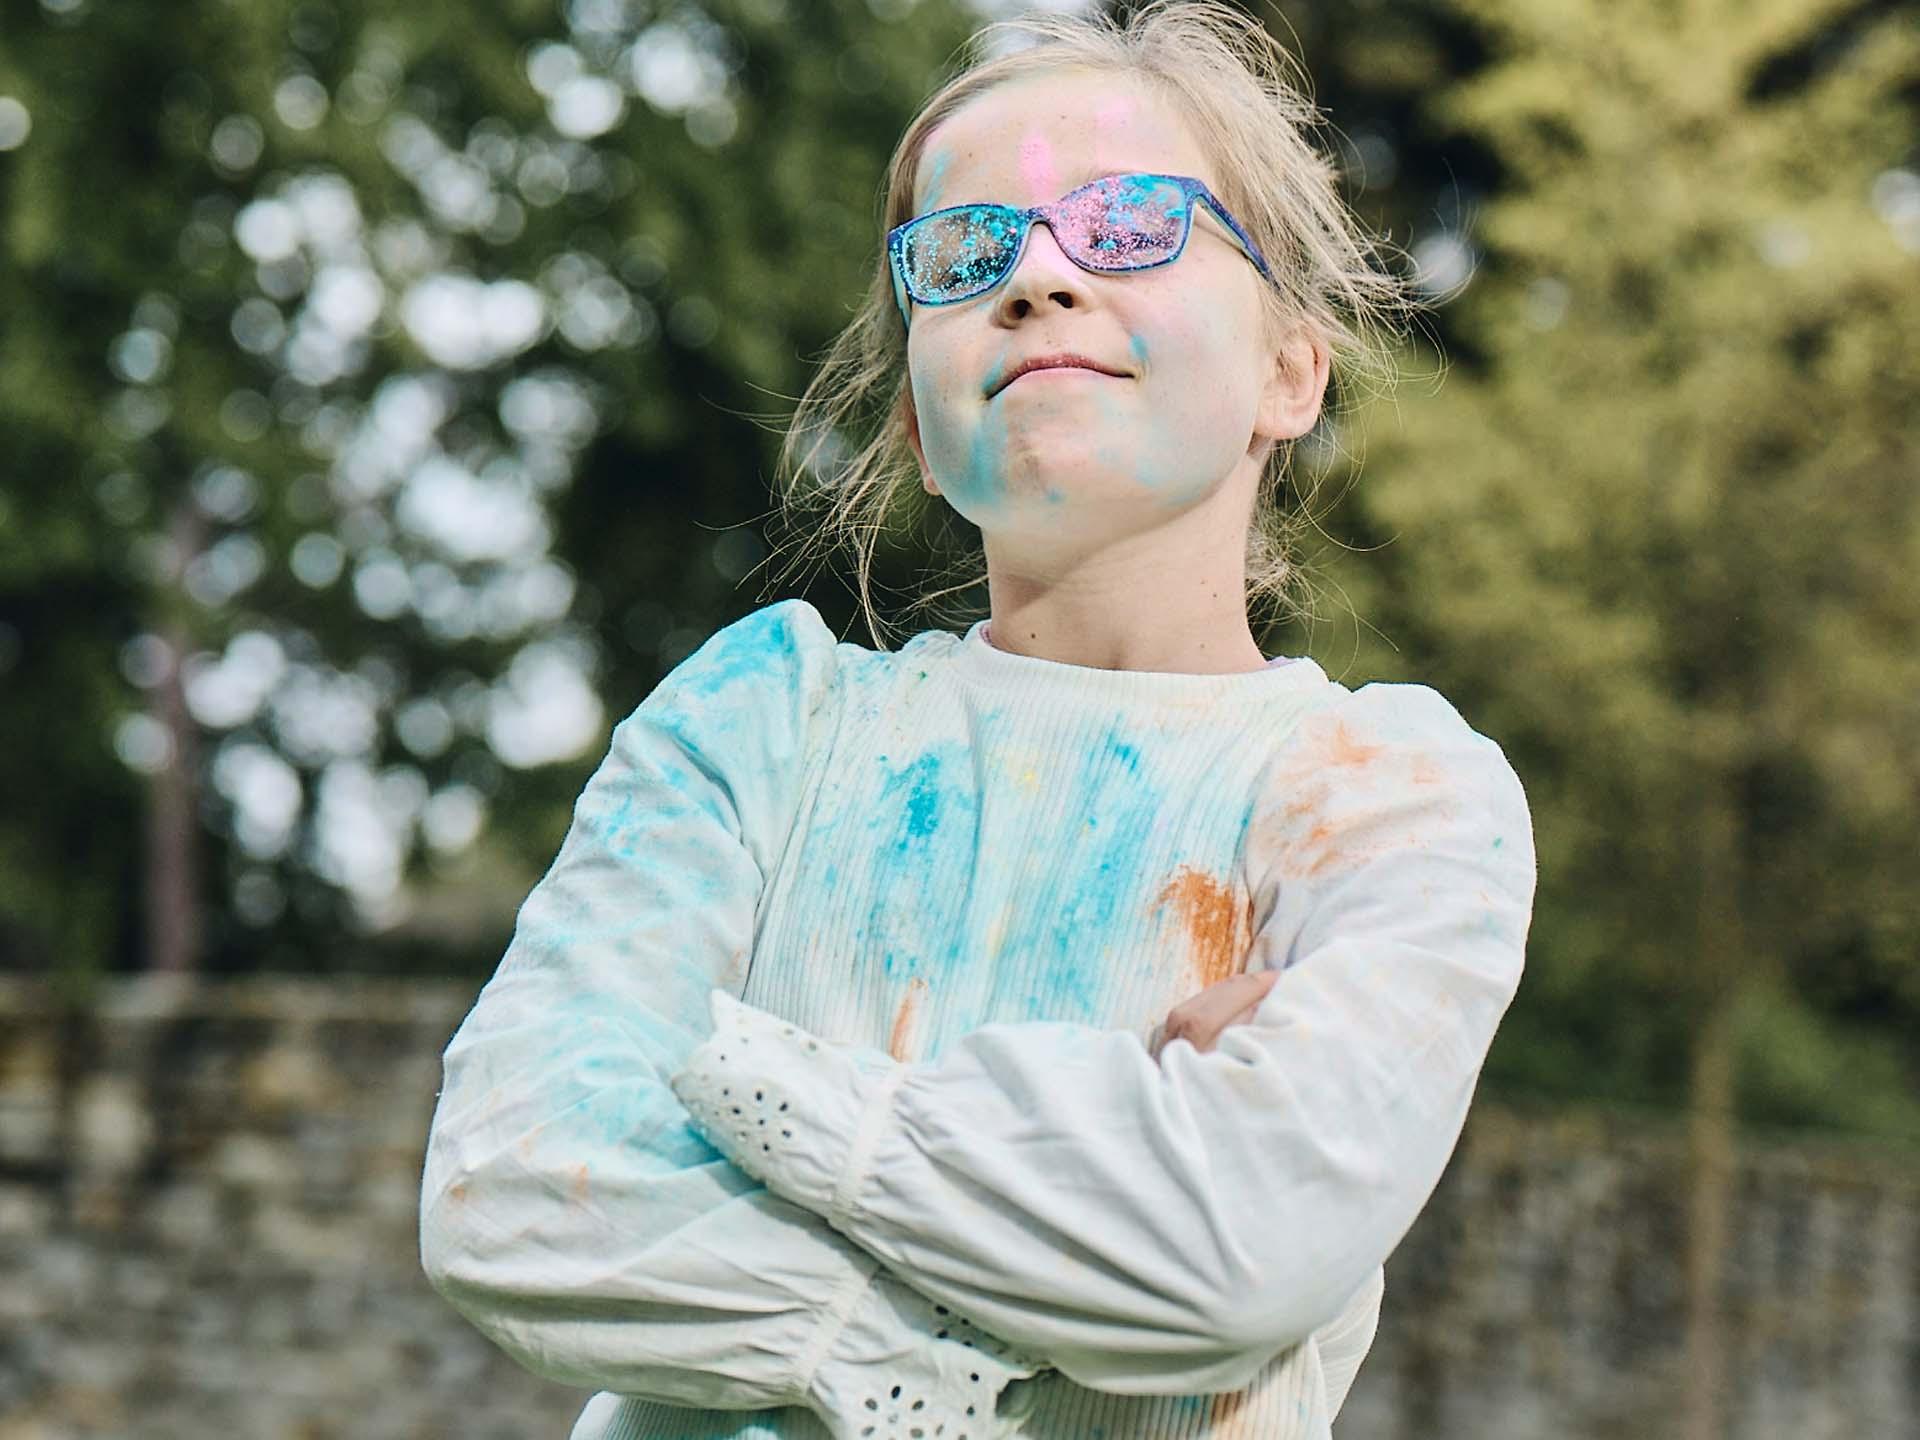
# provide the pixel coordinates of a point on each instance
(1213, 1006)
(1245, 1016)
(1201, 1021)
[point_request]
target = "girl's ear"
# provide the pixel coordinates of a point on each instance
(927, 481)
(1296, 385)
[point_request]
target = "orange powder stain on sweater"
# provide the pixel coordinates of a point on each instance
(1223, 1416)
(1219, 928)
(902, 1044)
(1345, 751)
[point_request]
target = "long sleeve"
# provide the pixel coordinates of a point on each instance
(1166, 1228)
(568, 1209)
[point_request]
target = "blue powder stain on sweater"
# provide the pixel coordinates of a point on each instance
(756, 647)
(920, 811)
(911, 799)
(1109, 819)
(923, 805)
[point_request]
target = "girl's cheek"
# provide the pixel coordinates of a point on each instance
(1188, 439)
(965, 446)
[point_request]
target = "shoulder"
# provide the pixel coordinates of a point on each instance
(784, 638)
(770, 673)
(1388, 766)
(1389, 728)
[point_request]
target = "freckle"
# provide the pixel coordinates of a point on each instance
(579, 1189)
(457, 1192)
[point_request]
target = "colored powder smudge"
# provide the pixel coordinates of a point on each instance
(1225, 1411)
(936, 180)
(1037, 170)
(903, 1043)
(1343, 749)
(1219, 930)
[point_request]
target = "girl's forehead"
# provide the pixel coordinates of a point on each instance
(1029, 141)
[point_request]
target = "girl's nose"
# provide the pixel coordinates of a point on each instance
(1044, 275)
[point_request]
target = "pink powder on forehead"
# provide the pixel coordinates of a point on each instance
(1112, 114)
(1037, 170)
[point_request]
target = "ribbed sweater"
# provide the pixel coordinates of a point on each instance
(981, 880)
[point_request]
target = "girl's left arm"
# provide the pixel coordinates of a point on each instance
(1170, 1227)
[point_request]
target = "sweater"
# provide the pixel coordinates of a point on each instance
(962, 888)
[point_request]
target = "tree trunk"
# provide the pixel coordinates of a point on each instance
(1720, 954)
(174, 922)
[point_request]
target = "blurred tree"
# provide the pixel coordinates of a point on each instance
(330, 329)
(1657, 534)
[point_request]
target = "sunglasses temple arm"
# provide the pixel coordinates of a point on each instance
(899, 287)
(1240, 237)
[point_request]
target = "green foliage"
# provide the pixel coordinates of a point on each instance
(1655, 532)
(195, 394)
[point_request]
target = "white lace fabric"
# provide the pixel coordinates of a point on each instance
(800, 1116)
(904, 1368)
(797, 1114)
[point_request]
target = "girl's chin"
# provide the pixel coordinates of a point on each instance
(1054, 491)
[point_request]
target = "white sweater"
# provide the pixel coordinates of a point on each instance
(982, 879)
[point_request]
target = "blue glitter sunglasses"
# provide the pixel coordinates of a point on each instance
(1115, 223)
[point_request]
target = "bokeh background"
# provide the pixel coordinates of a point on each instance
(388, 398)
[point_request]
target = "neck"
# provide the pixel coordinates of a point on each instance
(1170, 598)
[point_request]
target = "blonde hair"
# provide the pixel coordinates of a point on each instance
(1247, 100)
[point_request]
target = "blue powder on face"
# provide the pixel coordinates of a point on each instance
(936, 178)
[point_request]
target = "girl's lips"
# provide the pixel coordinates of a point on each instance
(1062, 360)
(1058, 370)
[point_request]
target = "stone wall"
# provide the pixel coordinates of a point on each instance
(207, 1210)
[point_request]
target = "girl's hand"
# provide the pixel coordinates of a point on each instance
(1200, 1020)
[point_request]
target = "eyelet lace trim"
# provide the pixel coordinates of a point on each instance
(897, 1416)
(754, 1116)
(958, 1327)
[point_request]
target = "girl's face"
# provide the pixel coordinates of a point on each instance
(1072, 457)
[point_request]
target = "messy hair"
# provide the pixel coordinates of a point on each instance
(1247, 101)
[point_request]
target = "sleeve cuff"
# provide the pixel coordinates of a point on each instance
(799, 1114)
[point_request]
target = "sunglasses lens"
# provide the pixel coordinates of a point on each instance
(1124, 222)
(958, 253)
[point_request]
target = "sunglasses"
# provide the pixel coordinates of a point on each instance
(1115, 223)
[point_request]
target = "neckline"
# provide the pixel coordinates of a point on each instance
(984, 661)
(985, 627)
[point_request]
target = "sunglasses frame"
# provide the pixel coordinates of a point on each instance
(1025, 218)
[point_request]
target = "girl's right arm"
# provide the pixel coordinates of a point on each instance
(568, 1209)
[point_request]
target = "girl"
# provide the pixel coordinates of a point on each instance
(1047, 1031)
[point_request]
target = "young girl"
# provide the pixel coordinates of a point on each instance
(1052, 1030)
